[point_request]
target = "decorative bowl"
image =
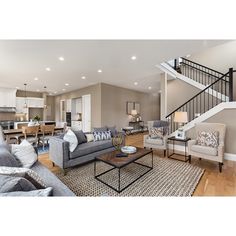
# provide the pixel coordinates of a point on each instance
(129, 149)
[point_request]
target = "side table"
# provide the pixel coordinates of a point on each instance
(185, 141)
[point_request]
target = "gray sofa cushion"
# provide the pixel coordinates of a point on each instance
(100, 129)
(12, 184)
(6, 158)
(87, 148)
(80, 136)
(34, 193)
(58, 188)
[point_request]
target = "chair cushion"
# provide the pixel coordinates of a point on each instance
(87, 148)
(205, 150)
(209, 139)
(156, 132)
(155, 141)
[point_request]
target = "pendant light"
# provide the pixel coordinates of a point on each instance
(25, 104)
(45, 90)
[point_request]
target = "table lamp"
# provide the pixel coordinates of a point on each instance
(180, 117)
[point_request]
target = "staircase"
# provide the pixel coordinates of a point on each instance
(216, 91)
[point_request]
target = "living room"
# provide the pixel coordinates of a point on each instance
(87, 122)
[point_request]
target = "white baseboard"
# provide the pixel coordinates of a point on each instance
(180, 148)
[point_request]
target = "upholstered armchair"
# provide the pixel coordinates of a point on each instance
(207, 152)
(158, 143)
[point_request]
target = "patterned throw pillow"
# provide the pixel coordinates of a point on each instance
(26, 173)
(102, 135)
(156, 133)
(209, 139)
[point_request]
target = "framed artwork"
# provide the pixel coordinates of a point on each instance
(129, 107)
(137, 107)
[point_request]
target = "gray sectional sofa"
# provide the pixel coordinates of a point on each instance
(58, 188)
(60, 154)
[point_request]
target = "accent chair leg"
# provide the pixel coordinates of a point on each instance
(53, 164)
(220, 167)
(164, 152)
(189, 159)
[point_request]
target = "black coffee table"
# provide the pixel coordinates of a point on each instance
(120, 162)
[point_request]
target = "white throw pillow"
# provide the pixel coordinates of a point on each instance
(72, 139)
(24, 153)
(90, 137)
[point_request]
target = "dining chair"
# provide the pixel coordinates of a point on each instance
(47, 132)
(30, 133)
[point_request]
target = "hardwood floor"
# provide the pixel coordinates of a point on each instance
(212, 183)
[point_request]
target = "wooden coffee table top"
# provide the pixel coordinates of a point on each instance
(118, 162)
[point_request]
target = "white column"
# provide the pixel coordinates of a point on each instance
(163, 81)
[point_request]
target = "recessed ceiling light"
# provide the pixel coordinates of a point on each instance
(61, 58)
(149, 87)
(17, 88)
(83, 77)
(99, 71)
(50, 94)
(133, 58)
(36, 78)
(37, 90)
(55, 92)
(189, 55)
(66, 84)
(135, 83)
(63, 89)
(48, 69)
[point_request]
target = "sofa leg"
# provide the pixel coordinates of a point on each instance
(189, 159)
(164, 153)
(53, 164)
(220, 167)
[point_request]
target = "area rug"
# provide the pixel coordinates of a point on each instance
(42, 150)
(167, 178)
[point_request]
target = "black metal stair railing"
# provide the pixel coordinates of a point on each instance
(206, 99)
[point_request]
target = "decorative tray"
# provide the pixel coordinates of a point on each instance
(129, 149)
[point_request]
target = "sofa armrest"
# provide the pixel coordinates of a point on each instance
(190, 144)
(221, 151)
(59, 151)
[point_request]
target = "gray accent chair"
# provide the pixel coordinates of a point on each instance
(205, 152)
(155, 143)
(60, 154)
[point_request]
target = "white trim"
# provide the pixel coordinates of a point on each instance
(169, 70)
(180, 148)
(220, 107)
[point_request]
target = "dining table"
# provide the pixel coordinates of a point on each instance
(17, 133)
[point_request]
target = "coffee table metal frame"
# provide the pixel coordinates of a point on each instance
(119, 189)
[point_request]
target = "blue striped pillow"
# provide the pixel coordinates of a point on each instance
(102, 135)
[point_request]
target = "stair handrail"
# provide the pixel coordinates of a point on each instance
(208, 68)
(202, 91)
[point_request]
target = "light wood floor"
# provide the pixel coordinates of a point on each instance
(212, 183)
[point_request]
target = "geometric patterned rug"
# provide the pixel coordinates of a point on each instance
(167, 178)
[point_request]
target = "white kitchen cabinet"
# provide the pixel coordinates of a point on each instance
(35, 102)
(86, 113)
(20, 102)
(68, 105)
(7, 97)
(78, 105)
(76, 125)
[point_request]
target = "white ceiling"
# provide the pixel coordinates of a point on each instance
(23, 60)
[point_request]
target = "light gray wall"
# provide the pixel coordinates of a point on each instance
(226, 117)
(95, 91)
(114, 105)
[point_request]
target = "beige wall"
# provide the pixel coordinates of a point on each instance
(95, 91)
(178, 92)
(7, 116)
(227, 117)
(50, 101)
(114, 105)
